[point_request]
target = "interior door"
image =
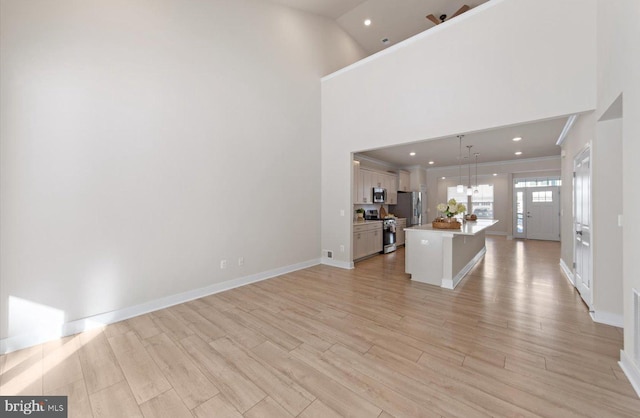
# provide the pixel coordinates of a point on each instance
(543, 213)
(582, 225)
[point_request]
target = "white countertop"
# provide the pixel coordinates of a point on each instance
(378, 220)
(468, 228)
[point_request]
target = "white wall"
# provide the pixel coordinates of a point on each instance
(607, 205)
(143, 142)
(618, 69)
(490, 67)
(605, 142)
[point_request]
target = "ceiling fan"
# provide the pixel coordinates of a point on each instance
(443, 17)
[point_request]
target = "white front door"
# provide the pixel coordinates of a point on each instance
(543, 213)
(582, 225)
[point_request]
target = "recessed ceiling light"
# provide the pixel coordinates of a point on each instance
(412, 154)
(431, 162)
(518, 152)
(367, 22)
(443, 178)
(516, 139)
(495, 174)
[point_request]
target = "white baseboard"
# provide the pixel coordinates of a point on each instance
(80, 325)
(340, 264)
(608, 318)
(630, 369)
(452, 283)
(567, 272)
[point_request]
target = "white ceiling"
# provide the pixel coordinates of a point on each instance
(396, 20)
(538, 140)
(332, 9)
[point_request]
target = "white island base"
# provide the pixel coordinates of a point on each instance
(442, 257)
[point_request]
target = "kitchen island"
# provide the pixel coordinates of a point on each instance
(442, 257)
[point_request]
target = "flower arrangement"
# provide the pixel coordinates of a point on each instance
(451, 208)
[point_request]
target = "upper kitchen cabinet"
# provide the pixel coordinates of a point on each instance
(403, 181)
(377, 179)
(391, 184)
(363, 184)
(364, 180)
(366, 186)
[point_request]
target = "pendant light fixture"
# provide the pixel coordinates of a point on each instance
(476, 191)
(460, 186)
(469, 189)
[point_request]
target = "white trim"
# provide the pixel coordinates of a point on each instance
(28, 340)
(452, 283)
(567, 272)
(566, 129)
(630, 370)
(335, 263)
(608, 318)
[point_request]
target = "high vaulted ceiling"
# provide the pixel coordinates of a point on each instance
(329, 8)
(398, 20)
(395, 20)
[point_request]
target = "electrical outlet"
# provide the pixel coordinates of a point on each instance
(342, 248)
(223, 264)
(330, 254)
(341, 212)
(241, 261)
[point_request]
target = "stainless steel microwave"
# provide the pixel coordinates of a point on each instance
(379, 195)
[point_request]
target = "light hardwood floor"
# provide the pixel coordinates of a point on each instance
(513, 339)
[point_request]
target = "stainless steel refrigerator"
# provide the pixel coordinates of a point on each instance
(409, 206)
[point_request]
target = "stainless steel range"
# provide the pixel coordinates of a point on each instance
(389, 235)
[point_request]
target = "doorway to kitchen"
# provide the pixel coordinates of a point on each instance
(536, 208)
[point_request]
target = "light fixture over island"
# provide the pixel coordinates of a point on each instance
(442, 257)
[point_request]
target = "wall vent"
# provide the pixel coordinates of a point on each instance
(636, 326)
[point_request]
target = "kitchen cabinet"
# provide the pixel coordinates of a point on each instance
(367, 239)
(377, 179)
(401, 224)
(366, 187)
(403, 181)
(391, 184)
(364, 180)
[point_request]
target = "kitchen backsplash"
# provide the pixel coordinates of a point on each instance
(375, 206)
